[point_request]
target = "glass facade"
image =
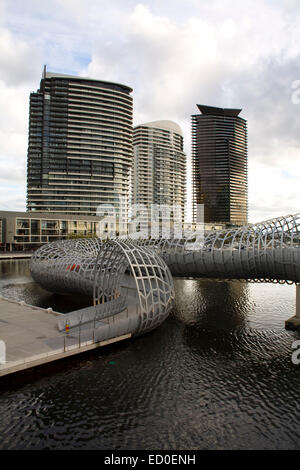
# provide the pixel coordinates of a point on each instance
(80, 145)
(159, 167)
(219, 165)
(40, 231)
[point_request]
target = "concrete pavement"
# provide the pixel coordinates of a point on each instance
(31, 337)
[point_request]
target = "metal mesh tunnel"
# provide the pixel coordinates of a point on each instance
(118, 274)
(66, 266)
(267, 251)
(130, 281)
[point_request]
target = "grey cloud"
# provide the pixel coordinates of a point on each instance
(18, 60)
(274, 121)
(243, 55)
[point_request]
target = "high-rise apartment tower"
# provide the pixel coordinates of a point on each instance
(219, 165)
(159, 167)
(80, 145)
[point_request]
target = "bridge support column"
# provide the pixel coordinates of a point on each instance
(293, 323)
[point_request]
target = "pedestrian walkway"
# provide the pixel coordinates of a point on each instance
(31, 337)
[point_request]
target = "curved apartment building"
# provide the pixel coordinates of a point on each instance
(219, 157)
(159, 166)
(80, 145)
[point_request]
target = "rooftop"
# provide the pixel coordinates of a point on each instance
(164, 124)
(220, 111)
(76, 77)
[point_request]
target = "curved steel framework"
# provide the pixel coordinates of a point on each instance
(118, 274)
(66, 266)
(267, 251)
(135, 275)
(151, 277)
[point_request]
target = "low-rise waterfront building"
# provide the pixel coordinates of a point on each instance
(29, 230)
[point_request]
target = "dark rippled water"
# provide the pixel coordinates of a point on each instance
(216, 375)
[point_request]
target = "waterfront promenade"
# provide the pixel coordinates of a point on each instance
(32, 338)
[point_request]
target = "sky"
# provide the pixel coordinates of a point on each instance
(174, 54)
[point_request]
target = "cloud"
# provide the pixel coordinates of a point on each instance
(174, 55)
(244, 61)
(17, 59)
(13, 199)
(272, 194)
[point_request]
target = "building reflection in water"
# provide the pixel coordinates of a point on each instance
(14, 269)
(16, 283)
(212, 304)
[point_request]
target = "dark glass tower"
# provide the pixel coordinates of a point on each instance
(80, 145)
(219, 165)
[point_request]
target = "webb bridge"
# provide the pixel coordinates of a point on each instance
(130, 280)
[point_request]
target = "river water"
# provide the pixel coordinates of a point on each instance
(217, 374)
